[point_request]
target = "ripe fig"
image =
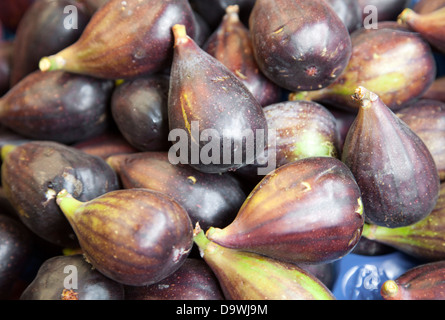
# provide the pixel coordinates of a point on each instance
(57, 106)
(12, 11)
(349, 12)
(423, 282)
(32, 174)
(71, 278)
(427, 119)
(395, 170)
(436, 91)
(212, 110)
(139, 109)
(194, 280)
(133, 236)
(125, 39)
(424, 240)
(398, 66)
(262, 278)
(210, 199)
(231, 44)
(307, 211)
(300, 45)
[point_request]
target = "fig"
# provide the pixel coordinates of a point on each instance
(429, 25)
(307, 211)
(210, 199)
(194, 280)
(423, 282)
(299, 45)
(12, 11)
(436, 91)
(427, 6)
(368, 247)
(132, 236)
(325, 272)
(426, 118)
(71, 278)
(231, 44)
(424, 240)
(349, 11)
(211, 112)
(31, 41)
(57, 106)
(6, 54)
(124, 39)
(393, 167)
(398, 66)
(262, 278)
(139, 109)
(32, 174)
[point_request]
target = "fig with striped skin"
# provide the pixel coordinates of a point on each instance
(133, 236)
(249, 276)
(124, 39)
(307, 211)
(395, 170)
(423, 282)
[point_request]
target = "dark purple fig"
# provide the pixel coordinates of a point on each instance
(139, 109)
(344, 120)
(57, 106)
(231, 44)
(427, 119)
(385, 10)
(12, 11)
(349, 12)
(16, 246)
(133, 236)
(6, 54)
(125, 39)
(395, 170)
(300, 45)
(423, 282)
(219, 123)
(32, 40)
(428, 6)
(368, 247)
(307, 211)
(210, 199)
(423, 240)
(398, 66)
(325, 272)
(429, 25)
(194, 280)
(71, 278)
(93, 5)
(32, 175)
(436, 91)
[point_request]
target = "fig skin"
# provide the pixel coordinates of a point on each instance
(49, 282)
(436, 91)
(32, 173)
(395, 170)
(133, 236)
(194, 280)
(349, 12)
(125, 39)
(423, 282)
(6, 54)
(307, 211)
(57, 106)
(299, 45)
(427, 6)
(12, 11)
(231, 44)
(211, 200)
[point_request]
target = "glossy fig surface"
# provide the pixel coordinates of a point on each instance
(132, 236)
(349, 12)
(395, 170)
(71, 278)
(308, 211)
(300, 45)
(219, 123)
(124, 39)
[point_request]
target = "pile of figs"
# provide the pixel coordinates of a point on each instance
(218, 150)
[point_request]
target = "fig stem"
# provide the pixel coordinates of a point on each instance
(50, 63)
(389, 288)
(180, 34)
(67, 203)
(6, 149)
(365, 97)
(306, 95)
(199, 238)
(232, 12)
(405, 16)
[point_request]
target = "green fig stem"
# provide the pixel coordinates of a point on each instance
(368, 231)
(67, 203)
(405, 16)
(6, 149)
(306, 95)
(199, 238)
(389, 289)
(54, 62)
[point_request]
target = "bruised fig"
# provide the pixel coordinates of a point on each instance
(231, 44)
(395, 170)
(124, 39)
(300, 45)
(219, 123)
(133, 236)
(194, 280)
(210, 199)
(57, 106)
(307, 211)
(34, 172)
(423, 282)
(71, 278)
(249, 276)
(398, 66)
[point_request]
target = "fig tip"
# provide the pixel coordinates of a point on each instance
(364, 96)
(51, 63)
(389, 289)
(232, 9)
(180, 34)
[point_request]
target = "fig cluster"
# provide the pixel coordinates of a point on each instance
(218, 150)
